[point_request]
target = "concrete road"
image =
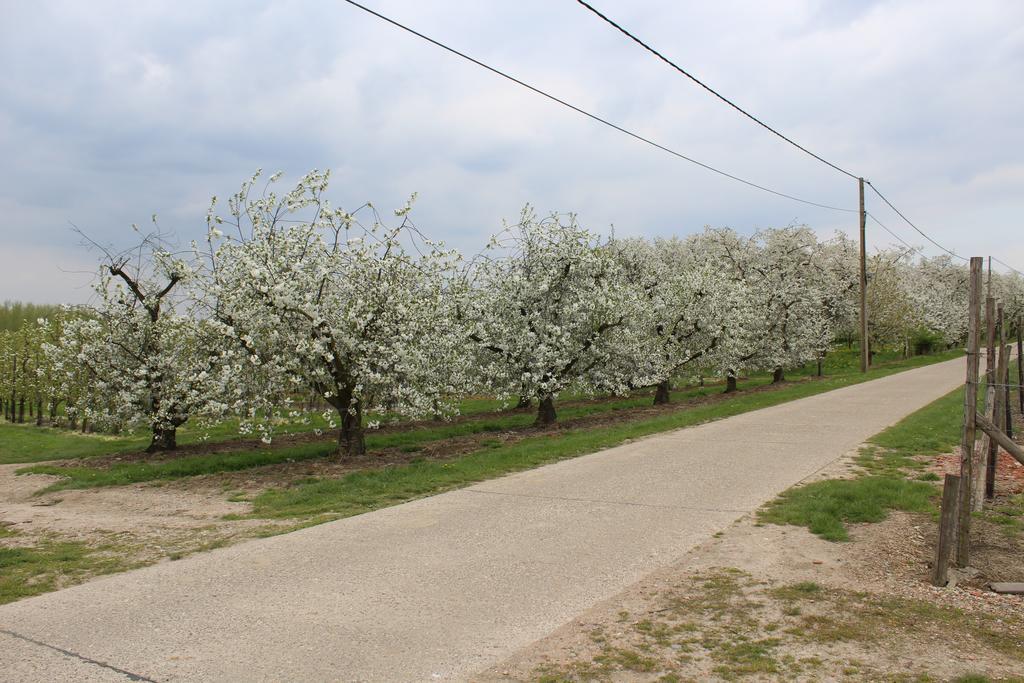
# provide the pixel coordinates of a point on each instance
(440, 588)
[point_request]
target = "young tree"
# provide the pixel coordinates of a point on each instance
(144, 362)
(892, 313)
(360, 314)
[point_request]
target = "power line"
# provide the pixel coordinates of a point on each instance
(1007, 265)
(712, 90)
(764, 125)
(664, 148)
(594, 117)
(883, 227)
(911, 224)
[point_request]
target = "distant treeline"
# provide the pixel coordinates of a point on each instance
(13, 314)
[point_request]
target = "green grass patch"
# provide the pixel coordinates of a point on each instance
(28, 443)
(122, 474)
(826, 507)
(368, 490)
(50, 564)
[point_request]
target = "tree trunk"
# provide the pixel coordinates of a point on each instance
(524, 402)
(164, 439)
(663, 395)
(545, 412)
(39, 412)
(730, 383)
(21, 410)
(778, 376)
(351, 439)
(819, 367)
(53, 411)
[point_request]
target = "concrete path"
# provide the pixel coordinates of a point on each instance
(440, 588)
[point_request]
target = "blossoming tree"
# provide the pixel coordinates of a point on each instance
(547, 306)
(143, 362)
(360, 314)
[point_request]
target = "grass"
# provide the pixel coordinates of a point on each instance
(26, 443)
(826, 507)
(49, 564)
(371, 489)
(122, 474)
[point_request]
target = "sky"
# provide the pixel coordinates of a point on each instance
(111, 112)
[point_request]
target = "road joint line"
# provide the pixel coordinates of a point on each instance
(74, 655)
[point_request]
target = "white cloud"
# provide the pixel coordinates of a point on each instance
(126, 110)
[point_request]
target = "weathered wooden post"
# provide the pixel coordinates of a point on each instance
(980, 460)
(1008, 445)
(999, 420)
(947, 529)
(990, 341)
(1020, 363)
(995, 411)
(1005, 380)
(963, 541)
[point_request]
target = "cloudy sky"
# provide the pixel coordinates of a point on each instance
(113, 111)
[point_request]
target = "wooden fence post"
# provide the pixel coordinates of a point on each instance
(947, 529)
(999, 419)
(1020, 363)
(963, 541)
(981, 455)
(1007, 396)
(990, 344)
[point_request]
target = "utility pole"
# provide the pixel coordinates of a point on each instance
(865, 354)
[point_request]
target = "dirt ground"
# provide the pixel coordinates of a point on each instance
(141, 523)
(766, 602)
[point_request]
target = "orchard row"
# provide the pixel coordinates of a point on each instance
(289, 295)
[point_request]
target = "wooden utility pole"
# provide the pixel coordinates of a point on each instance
(963, 545)
(865, 353)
